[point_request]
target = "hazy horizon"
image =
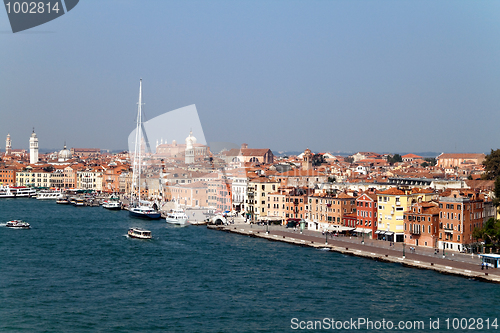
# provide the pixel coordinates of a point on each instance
(345, 76)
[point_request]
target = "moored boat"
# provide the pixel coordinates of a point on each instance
(18, 224)
(144, 212)
(49, 195)
(177, 216)
(79, 201)
(113, 203)
(23, 191)
(139, 233)
(63, 201)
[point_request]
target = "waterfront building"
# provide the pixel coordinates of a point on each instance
(7, 175)
(33, 148)
(366, 213)
(239, 186)
(34, 177)
(258, 190)
(330, 210)
(8, 145)
(90, 179)
(69, 176)
(421, 224)
(57, 178)
(392, 204)
(460, 212)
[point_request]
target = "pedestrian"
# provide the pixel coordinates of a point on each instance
(482, 266)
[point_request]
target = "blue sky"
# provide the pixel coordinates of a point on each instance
(399, 76)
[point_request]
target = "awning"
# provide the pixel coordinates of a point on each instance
(380, 232)
(365, 231)
(271, 218)
(389, 233)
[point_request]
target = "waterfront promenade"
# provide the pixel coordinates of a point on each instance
(459, 264)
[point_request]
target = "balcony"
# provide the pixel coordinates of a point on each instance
(415, 231)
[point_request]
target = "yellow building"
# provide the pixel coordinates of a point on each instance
(33, 177)
(258, 190)
(392, 204)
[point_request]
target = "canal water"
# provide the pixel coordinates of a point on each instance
(76, 270)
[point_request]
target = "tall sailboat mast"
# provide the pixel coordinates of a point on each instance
(136, 175)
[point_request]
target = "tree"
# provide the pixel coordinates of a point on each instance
(492, 165)
(332, 179)
(394, 159)
(318, 159)
(490, 233)
(424, 165)
(430, 160)
(349, 159)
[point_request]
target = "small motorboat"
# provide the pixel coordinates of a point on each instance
(17, 224)
(63, 201)
(139, 233)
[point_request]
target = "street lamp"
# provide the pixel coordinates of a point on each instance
(404, 245)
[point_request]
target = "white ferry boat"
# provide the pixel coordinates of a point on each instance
(17, 224)
(177, 216)
(23, 191)
(49, 195)
(139, 233)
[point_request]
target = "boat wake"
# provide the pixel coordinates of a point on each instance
(3, 224)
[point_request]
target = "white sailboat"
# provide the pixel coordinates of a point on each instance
(137, 208)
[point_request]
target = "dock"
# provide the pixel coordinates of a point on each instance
(452, 265)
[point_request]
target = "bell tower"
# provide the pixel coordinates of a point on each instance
(307, 160)
(8, 145)
(33, 148)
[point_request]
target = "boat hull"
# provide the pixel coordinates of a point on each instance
(176, 221)
(112, 206)
(150, 216)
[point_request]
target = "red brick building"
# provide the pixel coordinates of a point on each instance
(366, 213)
(421, 224)
(460, 212)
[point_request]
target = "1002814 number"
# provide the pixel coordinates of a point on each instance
(471, 324)
(32, 7)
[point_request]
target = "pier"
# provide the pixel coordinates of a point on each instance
(463, 265)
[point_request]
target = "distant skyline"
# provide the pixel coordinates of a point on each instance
(382, 76)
